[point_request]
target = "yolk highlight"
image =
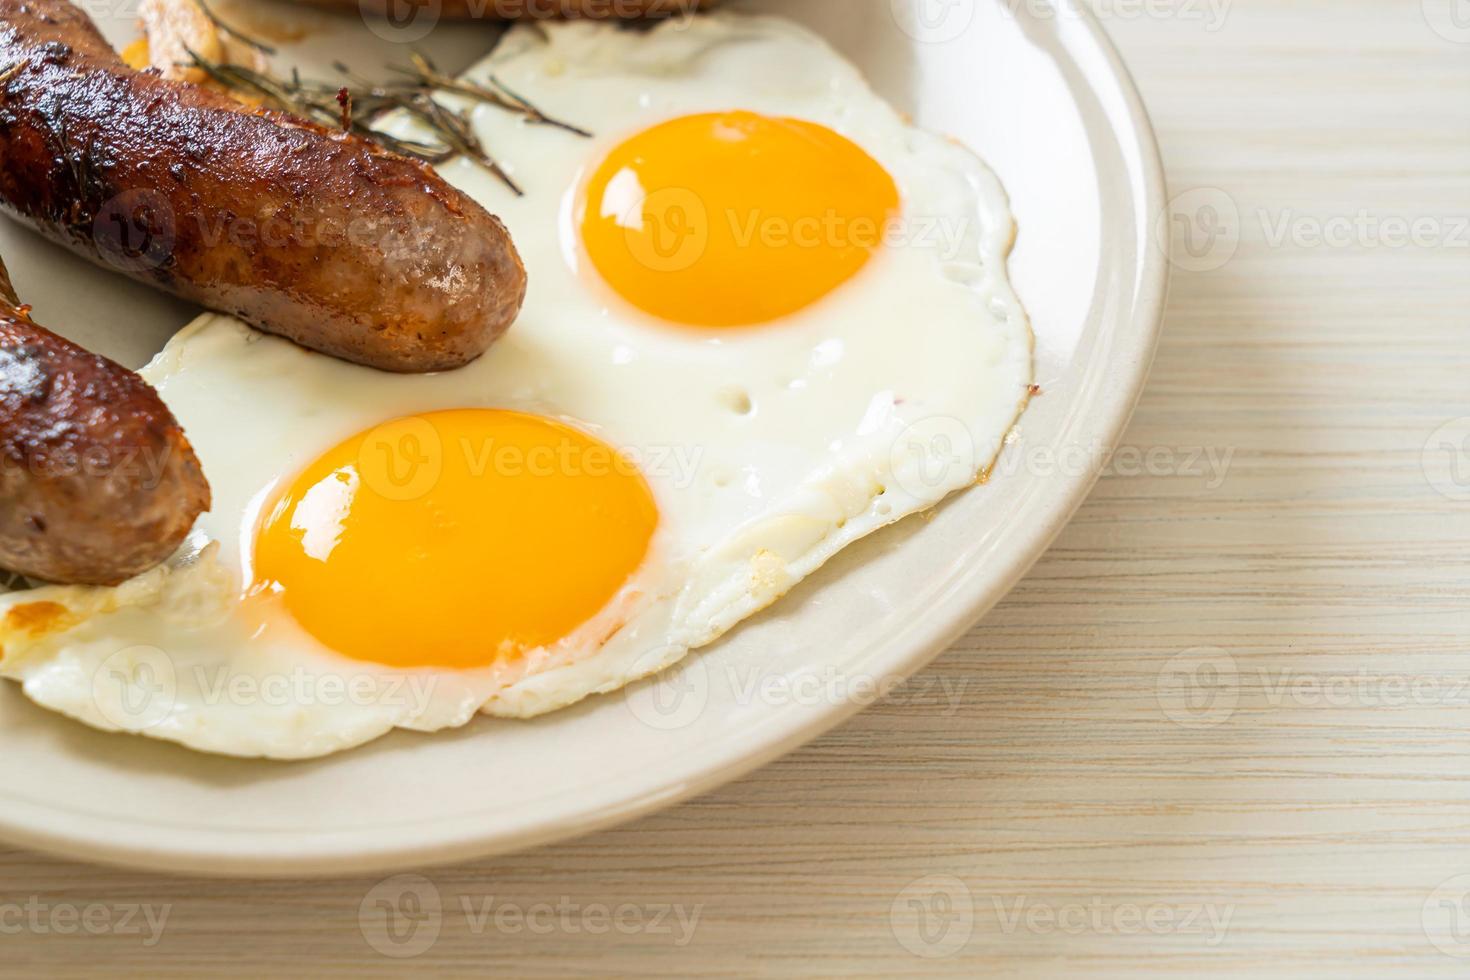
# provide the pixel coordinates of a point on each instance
(734, 219)
(455, 539)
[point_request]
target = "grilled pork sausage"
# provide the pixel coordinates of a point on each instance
(318, 236)
(97, 482)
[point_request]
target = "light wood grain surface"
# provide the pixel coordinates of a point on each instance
(1222, 729)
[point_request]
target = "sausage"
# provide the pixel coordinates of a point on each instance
(318, 236)
(524, 9)
(97, 482)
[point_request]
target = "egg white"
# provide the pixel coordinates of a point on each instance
(768, 450)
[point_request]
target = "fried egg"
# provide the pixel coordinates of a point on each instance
(767, 316)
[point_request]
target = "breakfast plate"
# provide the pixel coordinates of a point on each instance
(1035, 89)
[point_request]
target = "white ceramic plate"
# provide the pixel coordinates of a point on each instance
(1041, 95)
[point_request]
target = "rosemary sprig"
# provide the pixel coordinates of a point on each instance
(502, 96)
(358, 108)
(325, 105)
(452, 129)
(14, 582)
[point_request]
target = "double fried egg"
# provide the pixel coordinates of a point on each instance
(766, 317)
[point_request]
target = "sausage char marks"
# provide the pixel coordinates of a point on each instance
(97, 482)
(318, 236)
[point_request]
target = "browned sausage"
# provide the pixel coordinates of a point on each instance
(97, 482)
(520, 9)
(315, 235)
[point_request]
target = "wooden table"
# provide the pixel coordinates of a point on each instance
(1223, 728)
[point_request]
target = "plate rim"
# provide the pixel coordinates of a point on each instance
(972, 594)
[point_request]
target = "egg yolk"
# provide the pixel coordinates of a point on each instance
(734, 219)
(455, 539)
